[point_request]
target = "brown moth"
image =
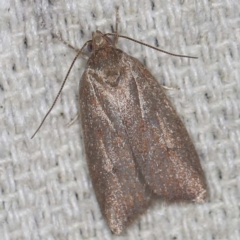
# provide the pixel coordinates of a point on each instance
(136, 146)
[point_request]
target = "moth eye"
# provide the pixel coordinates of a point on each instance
(90, 47)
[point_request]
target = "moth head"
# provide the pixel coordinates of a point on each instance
(99, 40)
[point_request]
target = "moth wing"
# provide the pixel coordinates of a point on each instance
(160, 142)
(120, 191)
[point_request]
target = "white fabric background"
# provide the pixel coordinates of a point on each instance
(45, 190)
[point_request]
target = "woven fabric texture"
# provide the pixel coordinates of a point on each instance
(45, 189)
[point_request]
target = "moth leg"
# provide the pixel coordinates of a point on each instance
(115, 41)
(73, 120)
(69, 45)
(170, 88)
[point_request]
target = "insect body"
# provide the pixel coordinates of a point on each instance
(136, 145)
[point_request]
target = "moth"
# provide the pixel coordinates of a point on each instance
(136, 146)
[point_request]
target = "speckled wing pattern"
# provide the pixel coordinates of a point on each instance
(135, 143)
